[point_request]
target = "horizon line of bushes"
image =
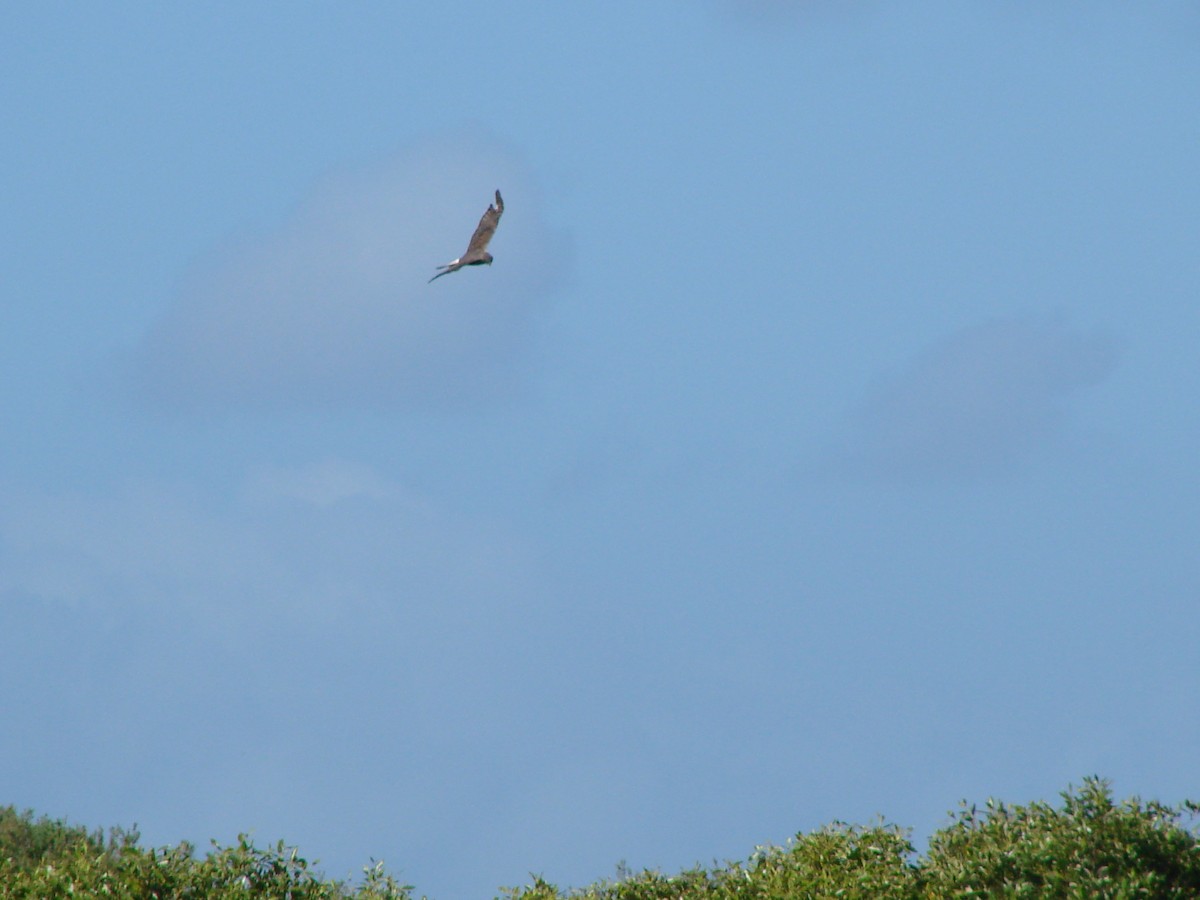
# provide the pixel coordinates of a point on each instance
(1088, 847)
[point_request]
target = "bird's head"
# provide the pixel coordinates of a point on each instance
(487, 258)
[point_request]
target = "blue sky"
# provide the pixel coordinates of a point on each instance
(821, 444)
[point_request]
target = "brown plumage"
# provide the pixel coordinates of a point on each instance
(477, 254)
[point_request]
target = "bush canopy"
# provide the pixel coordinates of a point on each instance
(1087, 847)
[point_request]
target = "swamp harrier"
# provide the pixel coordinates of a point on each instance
(477, 254)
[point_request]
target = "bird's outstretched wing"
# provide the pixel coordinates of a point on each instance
(483, 232)
(477, 249)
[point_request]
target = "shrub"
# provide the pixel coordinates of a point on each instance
(45, 860)
(1091, 847)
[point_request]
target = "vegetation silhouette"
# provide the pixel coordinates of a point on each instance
(1088, 847)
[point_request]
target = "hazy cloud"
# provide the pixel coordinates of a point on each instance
(773, 13)
(321, 484)
(331, 308)
(244, 638)
(975, 402)
(330, 539)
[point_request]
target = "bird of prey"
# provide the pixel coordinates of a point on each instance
(477, 254)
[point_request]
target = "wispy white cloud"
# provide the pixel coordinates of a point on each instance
(976, 402)
(332, 308)
(773, 13)
(317, 542)
(321, 484)
(222, 634)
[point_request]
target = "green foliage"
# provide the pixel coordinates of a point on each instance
(25, 841)
(1090, 847)
(838, 860)
(835, 861)
(45, 860)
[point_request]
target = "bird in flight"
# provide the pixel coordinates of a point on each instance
(477, 254)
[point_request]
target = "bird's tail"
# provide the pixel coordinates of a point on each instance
(444, 270)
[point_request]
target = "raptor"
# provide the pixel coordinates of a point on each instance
(477, 254)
